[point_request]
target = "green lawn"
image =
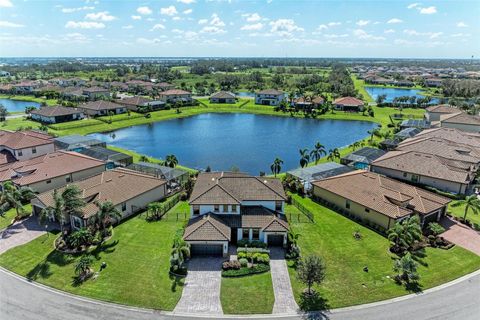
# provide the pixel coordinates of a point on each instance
(7, 218)
(459, 211)
(247, 295)
(49, 102)
(137, 258)
(331, 237)
(18, 124)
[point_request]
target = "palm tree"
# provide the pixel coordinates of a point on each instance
(406, 268)
(107, 213)
(72, 200)
(180, 252)
(472, 203)
(15, 197)
(356, 145)
(276, 166)
(404, 233)
(144, 158)
(154, 208)
(304, 157)
(83, 266)
(333, 154)
(372, 133)
(318, 152)
(171, 161)
(55, 211)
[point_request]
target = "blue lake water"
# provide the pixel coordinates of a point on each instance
(391, 93)
(249, 142)
(17, 105)
(244, 94)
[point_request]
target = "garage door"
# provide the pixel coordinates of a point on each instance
(275, 240)
(206, 250)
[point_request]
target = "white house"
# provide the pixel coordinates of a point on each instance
(269, 97)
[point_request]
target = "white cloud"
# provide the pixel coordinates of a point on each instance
(285, 27)
(84, 25)
(322, 27)
(428, 10)
(335, 36)
(334, 24)
(212, 30)
(137, 17)
(76, 38)
(462, 24)
(8, 24)
(158, 26)
(362, 34)
(186, 1)
(394, 20)
(188, 11)
(413, 5)
(202, 21)
(252, 27)
(431, 35)
(216, 21)
(127, 27)
(100, 16)
(389, 31)
(144, 10)
(177, 18)
(362, 23)
(149, 41)
(252, 17)
(71, 10)
(169, 11)
(6, 4)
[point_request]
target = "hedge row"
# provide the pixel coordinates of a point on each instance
(245, 271)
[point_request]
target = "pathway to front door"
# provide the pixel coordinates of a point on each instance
(282, 288)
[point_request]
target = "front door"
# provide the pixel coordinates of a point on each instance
(234, 235)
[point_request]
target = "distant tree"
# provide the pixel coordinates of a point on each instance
(333, 154)
(471, 203)
(15, 197)
(208, 169)
(276, 166)
(310, 271)
(3, 113)
(317, 152)
(304, 157)
(171, 161)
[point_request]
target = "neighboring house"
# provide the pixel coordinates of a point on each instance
(415, 123)
(176, 95)
(95, 93)
(111, 157)
(435, 113)
(433, 82)
(164, 86)
(451, 134)
(269, 97)
(362, 158)
(175, 177)
(461, 121)
(51, 171)
(227, 207)
(56, 114)
(4, 74)
(348, 104)
(76, 142)
(378, 200)
(138, 103)
(223, 97)
(129, 191)
(427, 169)
(317, 172)
(24, 145)
(73, 93)
(71, 82)
(308, 103)
(25, 87)
(102, 108)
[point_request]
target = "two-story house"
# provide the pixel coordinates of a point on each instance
(227, 207)
(269, 97)
(24, 145)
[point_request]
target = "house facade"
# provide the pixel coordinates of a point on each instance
(24, 145)
(269, 97)
(348, 104)
(176, 95)
(95, 93)
(223, 97)
(138, 103)
(101, 108)
(461, 121)
(435, 113)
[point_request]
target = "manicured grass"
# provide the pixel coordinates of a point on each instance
(247, 295)
(459, 211)
(137, 271)
(18, 123)
(7, 218)
(49, 102)
(331, 237)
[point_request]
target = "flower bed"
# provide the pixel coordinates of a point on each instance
(245, 271)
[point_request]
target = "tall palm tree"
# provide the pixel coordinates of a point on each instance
(318, 152)
(372, 133)
(304, 157)
(333, 154)
(471, 203)
(14, 197)
(82, 268)
(171, 161)
(404, 233)
(107, 213)
(276, 166)
(144, 158)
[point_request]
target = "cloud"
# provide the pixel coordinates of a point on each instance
(322, 27)
(362, 23)
(76, 38)
(6, 4)
(144, 10)
(431, 35)
(72, 10)
(187, 1)
(212, 30)
(100, 16)
(252, 17)
(362, 34)
(216, 21)
(127, 27)
(137, 17)
(149, 41)
(428, 10)
(334, 24)
(202, 21)
(8, 24)
(335, 36)
(252, 27)
(394, 20)
(84, 25)
(413, 5)
(285, 27)
(158, 26)
(188, 11)
(462, 24)
(169, 11)
(389, 31)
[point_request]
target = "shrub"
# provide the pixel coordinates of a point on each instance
(251, 244)
(243, 262)
(261, 250)
(435, 228)
(259, 268)
(231, 265)
(263, 258)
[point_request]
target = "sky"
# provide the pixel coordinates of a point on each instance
(240, 28)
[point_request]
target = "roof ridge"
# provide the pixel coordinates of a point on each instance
(257, 178)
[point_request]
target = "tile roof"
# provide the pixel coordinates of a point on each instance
(174, 92)
(462, 118)
(271, 92)
(100, 105)
(207, 227)
(116, 186)
(223, 95)
(451, 134)
(348, 101)
(256, 217)
(23, 139)
(443, 108)
(134, 101)
(55, 111)
(426, 165)
(384, 195)
(233, 188)
(46, 167)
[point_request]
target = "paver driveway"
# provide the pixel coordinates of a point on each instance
(282, 288)
(201, 292)
(461, 235)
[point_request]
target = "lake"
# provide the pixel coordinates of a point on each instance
(391, 93)
(249, 142)
(17, 105)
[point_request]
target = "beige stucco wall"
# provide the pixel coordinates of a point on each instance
(27, 153)
(141, 201)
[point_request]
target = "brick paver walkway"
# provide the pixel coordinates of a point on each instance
(282, 288)
(461, 235)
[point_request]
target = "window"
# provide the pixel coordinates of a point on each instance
(20, 153)
(234, 208)
(415, 178)
(216, 208)
(124, 206)
(49, 181)
(245, 233)
(404, 174)
(347, 204)
(77, 222)
(225, 208)
(68, 179)
(255, 234)
(196, 209)
(367, 210)
(34, 150)
(278, 205)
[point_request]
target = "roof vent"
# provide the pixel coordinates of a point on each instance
(108, 180)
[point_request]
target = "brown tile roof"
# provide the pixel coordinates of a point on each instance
(348, 101)
(46, 167)
(256, 217)
(100, 105)
(134, 101)
(451, 134)
(443, 108)
(223, 95)
(382, 194)
(95, 89)
(56, 111)
(271, 92)
(426, 165)
(207, 227)
(117, 186)
(24, 139)
(174, 92)
(462, 118)
(233, 188)
(316, 100)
